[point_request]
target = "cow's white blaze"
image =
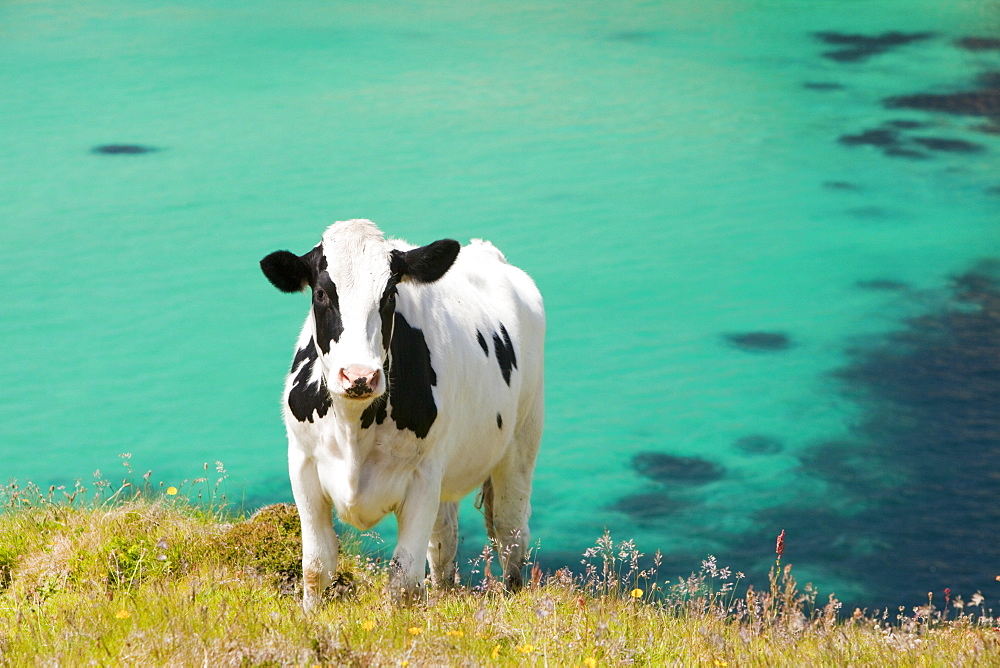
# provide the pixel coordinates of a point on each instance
(357, 263)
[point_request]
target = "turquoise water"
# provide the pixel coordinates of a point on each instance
(661, 169)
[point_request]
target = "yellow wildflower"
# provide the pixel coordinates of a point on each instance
(720, 662)
(636, 593)
(171, 491)
(415, 630)
(525, 649)
(590, 662)
(456, 633)
(123, 614)
(496, 651)
(368, 625)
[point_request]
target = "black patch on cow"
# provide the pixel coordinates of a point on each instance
(122, 149)
(760, 341)
(375, 413)
(504, 349)
(671, 469)
(326, 312)
(387, 312)
(759, 444)
(856, 48)
(499, 421)
(411, 377)
(482, 343)
(306, 398)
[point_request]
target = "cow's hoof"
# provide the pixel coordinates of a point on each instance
(404, 596)
(310, 603)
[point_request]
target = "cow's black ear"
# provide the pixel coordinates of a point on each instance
(427, 263)
(287, 271)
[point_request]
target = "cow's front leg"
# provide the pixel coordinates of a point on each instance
(416, 517)
(319, 540)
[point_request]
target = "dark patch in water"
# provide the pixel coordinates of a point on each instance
(885, 284)
(842, 463)
(949, 145)
(840, 185)
(647, 507)
(879, 137)
(822, 85)
(759, 444)
(760, 341)
(906, 502)
(861, 47)
(978, 43)
(671, 470)
(985, 102)
(989, 79)
(895, 145)
(123, 149)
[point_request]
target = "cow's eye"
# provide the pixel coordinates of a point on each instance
(320, 295)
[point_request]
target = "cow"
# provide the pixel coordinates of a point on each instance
(417, 378)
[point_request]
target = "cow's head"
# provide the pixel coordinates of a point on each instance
(353, 273)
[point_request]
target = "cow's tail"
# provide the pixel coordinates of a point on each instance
(485, 503)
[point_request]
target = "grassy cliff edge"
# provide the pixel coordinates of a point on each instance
(135, 577)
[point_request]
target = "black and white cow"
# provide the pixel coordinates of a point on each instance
(417, 378)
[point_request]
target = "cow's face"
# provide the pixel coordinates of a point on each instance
(353, 273)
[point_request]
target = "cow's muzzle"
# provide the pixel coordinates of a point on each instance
(359, 382)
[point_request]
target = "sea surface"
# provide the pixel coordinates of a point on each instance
(767, 233)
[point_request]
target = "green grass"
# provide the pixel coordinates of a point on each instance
(135, 576)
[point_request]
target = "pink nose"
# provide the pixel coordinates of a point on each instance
(358, 381)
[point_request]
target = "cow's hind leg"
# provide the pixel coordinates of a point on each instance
(510, 488)
(444, 545)
(319, 540)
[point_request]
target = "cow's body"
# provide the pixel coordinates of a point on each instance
(452, 403)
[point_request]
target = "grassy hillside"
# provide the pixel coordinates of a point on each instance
(104, 576)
